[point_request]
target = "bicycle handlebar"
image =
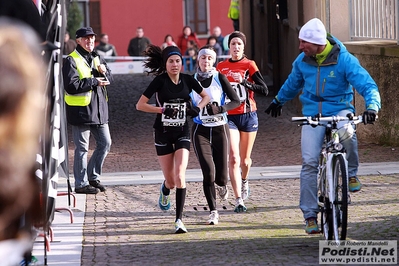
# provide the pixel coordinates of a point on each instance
(315, 120)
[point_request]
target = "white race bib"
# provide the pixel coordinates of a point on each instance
(240, 90)
(177, 120)
(207, 118)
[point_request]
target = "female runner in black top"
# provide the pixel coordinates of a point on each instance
(171, 133)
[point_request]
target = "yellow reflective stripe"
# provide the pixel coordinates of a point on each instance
(78, 100)
(96, 61)
(84, 71)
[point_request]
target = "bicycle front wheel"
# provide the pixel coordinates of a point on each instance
(324, 203)
(340, 203)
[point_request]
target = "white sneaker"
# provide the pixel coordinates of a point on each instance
(213, 218)
(245, 189)
(179, 227)
(222, 191)
(240, 207)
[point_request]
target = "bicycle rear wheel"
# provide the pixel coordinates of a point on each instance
(340, 203)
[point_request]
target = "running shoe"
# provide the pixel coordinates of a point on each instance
(33, 261)
(240, 207)
(311, 226)
(213, 218)
(179, 227)
(164, 200)
(223, 192)
(354, 184)
(245, 189)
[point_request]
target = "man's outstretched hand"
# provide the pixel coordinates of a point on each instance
(275, 108)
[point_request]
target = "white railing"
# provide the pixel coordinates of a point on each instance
(134, 64)
(374, 19)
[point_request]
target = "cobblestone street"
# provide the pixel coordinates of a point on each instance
(124, 226)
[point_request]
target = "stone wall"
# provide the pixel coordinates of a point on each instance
(381, 59)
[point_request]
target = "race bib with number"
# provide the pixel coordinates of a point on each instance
(240, 90)
(177, 120)
(207, 118)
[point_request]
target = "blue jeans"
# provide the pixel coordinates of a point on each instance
(311, 144)
(82, 171)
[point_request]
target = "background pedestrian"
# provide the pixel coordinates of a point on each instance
(186, 36)
(138, 44)
(105, 49)
(168, 41)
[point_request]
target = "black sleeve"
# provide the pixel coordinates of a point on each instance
(194, 85)
(152, 88)
(259, 85)
(25, 11)
(72, 83)
(109, 74)
(226, 86)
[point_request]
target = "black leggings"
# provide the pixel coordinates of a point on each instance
(211, 147)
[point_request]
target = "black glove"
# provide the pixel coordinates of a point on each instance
(192, 110)
(369, 117)
(275, 108)
(213, 109)
(170, 112)
(247, 84)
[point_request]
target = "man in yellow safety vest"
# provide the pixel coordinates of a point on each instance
(86, 76)
(234, 14)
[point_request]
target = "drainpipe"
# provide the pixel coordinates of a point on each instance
(396, 22)
(252, 27)
(328, 20)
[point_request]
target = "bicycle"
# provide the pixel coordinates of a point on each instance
(333, 190)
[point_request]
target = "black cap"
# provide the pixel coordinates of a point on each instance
(85, 31)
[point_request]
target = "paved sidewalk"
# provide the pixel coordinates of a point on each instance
(124, 226)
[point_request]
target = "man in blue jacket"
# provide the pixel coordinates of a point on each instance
(325, 73)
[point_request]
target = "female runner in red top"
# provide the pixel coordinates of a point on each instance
(245, 78)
